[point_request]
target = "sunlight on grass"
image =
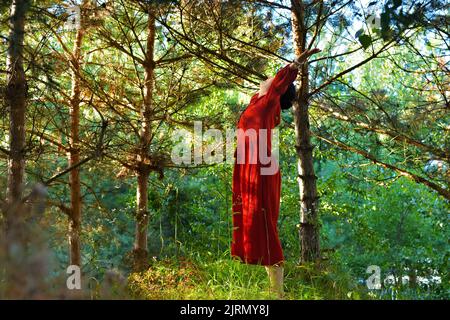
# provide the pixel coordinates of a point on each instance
(226, 279)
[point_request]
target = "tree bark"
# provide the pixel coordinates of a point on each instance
(143, 161)
(74, 154)
(309, 220)
(16, 94)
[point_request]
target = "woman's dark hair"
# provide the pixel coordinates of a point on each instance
(287, 98)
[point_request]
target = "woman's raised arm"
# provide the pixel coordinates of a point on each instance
(287, 74)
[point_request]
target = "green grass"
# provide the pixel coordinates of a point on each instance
(222, 278)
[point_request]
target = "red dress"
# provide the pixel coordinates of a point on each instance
(256, 196)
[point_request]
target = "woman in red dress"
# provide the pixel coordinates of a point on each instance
(256, 185)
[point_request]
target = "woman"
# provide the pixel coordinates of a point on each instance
(256, 193)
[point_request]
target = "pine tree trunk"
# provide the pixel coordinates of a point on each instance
(309, 226)
(74, 155)
(140, 244)
(16, 93)
(143, 170)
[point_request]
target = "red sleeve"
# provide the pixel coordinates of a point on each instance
(282, 80)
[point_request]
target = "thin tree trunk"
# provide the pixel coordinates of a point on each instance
(16, 92)
(74, 155)
(143, 170)
(309, 226)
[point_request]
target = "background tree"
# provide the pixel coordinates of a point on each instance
(16, 95)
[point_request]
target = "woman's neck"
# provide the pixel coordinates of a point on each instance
(260, 94)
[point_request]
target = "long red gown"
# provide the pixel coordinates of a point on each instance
(256, 196)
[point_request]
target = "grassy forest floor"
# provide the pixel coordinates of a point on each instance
(228, 279)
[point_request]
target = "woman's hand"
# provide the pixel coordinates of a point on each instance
(298, 61)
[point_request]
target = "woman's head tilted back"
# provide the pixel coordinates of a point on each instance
(285, 99)
(264, 86)
(288, 97)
